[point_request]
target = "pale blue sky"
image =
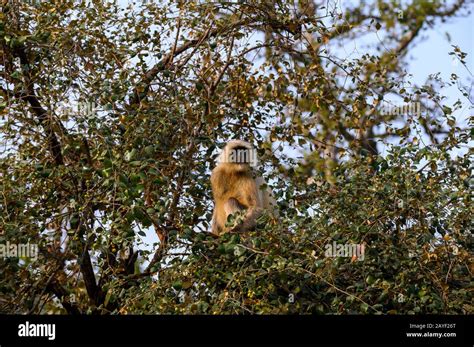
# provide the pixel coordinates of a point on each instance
(431, 55)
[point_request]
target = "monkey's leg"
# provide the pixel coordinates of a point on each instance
(219, 217)
(233, 205)
(215, 227)
(217, 221)
(250, 220)
(230, 207)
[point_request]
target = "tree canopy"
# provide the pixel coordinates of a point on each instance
(111, 114)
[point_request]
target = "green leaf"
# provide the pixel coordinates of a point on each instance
(130, 154)
(177, 285)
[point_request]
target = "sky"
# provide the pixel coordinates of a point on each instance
(432, 55)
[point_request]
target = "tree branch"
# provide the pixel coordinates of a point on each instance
(61, 293)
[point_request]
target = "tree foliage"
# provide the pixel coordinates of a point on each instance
(110, 117)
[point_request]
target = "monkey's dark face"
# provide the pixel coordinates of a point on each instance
(240, 154)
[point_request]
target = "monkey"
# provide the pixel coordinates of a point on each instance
(234, 188)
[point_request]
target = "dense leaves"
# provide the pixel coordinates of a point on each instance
(416, 261)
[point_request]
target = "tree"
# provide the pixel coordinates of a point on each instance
(110, 119)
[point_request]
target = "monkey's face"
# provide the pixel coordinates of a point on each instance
(239, 153)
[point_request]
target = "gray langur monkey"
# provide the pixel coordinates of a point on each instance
(237, 187)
